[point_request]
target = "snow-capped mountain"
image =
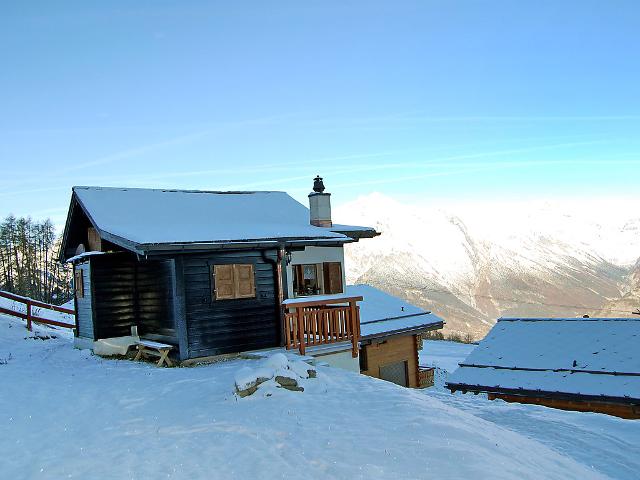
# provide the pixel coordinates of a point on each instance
(630, 299)
(480, 262)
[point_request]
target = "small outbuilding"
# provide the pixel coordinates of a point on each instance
(391, 332)
(583, 364)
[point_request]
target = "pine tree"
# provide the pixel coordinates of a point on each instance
(28, 260)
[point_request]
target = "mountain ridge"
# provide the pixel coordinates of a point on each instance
(470, 271)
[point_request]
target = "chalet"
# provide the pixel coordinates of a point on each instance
(584, 364)
(391, 337)
(211, 273)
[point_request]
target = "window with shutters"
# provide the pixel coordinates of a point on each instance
(78, 283)
(317, 279)
(233, 281)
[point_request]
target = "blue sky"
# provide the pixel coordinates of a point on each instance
(425, 100)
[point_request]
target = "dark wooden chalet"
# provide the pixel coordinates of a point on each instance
(202, 271)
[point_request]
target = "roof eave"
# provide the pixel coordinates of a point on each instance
(358, 234)
(521, 392)
(166, 248)
(404, 331)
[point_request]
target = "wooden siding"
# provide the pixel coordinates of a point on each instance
(129, 292)
(617, 410)
(227, 326)
(84, 311)
(392, 350)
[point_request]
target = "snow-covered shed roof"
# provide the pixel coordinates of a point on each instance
(146, 219)
(596, 357)
(382, 314)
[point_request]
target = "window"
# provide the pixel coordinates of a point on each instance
(305, 280)
(233, 281)
(316, 279)
(78, 283)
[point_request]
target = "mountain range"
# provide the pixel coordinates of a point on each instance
(474, 263)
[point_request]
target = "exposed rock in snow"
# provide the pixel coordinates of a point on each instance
(277, 370)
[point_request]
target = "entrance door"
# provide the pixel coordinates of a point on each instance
(395, 372)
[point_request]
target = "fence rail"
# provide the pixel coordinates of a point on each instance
(29, 316)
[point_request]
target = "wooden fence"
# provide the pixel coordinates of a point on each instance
(30, 316)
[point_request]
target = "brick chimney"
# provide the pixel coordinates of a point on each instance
(319, 205)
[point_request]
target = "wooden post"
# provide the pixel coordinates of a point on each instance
(353, 311)
(300, 312)
(28, 315)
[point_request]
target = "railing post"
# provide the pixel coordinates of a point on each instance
(288, 330)
(353, 313)
(300, 312)
(28, 315)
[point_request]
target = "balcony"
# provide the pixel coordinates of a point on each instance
(321, 320)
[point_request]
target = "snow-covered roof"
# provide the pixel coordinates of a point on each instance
(577, 356)
(144, 217)
(383, 314)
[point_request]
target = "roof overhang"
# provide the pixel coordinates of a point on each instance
(413, 330)
(524, 393)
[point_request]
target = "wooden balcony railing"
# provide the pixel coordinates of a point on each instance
(425, 376)
(325, 320)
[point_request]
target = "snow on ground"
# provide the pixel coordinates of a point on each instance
(65, 413)
(606, 444)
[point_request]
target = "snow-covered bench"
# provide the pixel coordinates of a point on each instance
(147, 348)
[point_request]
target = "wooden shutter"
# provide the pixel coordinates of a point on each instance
(244, 281)
(79, 283)
(223, 285)
(332, 277)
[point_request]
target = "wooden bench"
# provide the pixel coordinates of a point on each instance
(149, 348)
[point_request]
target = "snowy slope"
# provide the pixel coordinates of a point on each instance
(67, 414)
(606, 444)
(477, 264)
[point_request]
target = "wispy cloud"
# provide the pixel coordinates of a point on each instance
(181, 139)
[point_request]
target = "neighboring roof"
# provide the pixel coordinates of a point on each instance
(143, 219)
(571, 356)
(382, 314)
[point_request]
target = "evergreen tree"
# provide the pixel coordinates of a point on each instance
(28, 261)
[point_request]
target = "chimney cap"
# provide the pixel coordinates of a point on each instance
(318, 185)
